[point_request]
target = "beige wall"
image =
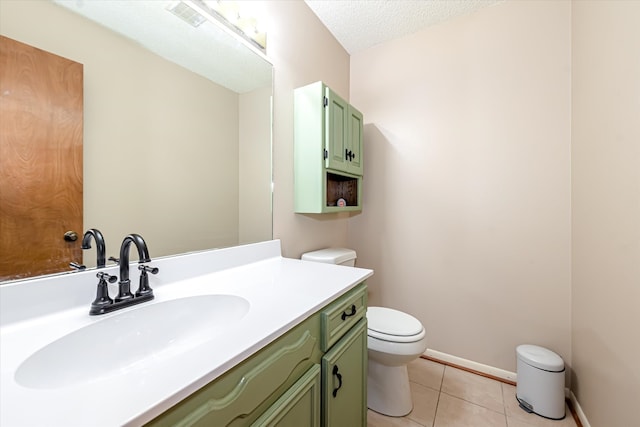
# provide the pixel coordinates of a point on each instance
(466, 216)
(254, 174)
(302, 51)
(606, 210)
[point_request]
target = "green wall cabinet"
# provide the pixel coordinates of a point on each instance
(291, 382)
(328, 151)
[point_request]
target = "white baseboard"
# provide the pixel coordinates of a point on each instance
(579, 412)
(501, 374)
(470, 364)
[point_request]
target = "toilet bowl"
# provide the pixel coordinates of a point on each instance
(394, 339)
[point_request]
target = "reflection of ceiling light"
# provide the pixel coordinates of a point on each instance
(241, 18)
(245, 16)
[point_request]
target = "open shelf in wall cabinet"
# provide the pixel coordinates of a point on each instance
(343, 187)
(323, 196)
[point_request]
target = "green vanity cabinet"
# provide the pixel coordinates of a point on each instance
(328, 151)
(290, 382)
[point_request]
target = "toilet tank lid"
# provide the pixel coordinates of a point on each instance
(330, 255)
(540, 357)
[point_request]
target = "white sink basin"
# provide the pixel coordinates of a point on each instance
(131, 340)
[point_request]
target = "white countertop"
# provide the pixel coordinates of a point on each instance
(282, 292)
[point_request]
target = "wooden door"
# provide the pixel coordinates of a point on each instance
(41, 107)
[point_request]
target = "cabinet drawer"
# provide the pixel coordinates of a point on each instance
(340, 316)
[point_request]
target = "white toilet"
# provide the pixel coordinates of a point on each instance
(394, 339)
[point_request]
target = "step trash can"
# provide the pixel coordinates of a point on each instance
(540, 384)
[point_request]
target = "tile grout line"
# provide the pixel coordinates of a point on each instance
(435, 414)
(504, 407)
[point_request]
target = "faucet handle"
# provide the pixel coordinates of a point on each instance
(107, 277)
(77, 266)
(146, 268)
(102, 300)
(114, 259)
(144, 289)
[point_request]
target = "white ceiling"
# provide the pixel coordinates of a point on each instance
(360, 24)
(206, 50)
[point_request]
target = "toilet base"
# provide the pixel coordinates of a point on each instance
(388, 390)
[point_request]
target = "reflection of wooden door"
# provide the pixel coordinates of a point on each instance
(40, 160)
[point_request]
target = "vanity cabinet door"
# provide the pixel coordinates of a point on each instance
(299, 406)
(344, 380)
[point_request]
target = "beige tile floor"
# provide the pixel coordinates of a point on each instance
(444, 396)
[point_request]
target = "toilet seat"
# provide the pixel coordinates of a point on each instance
(392, 325)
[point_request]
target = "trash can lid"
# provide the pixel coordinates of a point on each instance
(540, 357)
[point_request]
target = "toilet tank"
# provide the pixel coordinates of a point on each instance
(339, 256)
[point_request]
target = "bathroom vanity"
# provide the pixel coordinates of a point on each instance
(237, 336)
(315, 372)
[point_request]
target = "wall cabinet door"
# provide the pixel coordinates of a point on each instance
(356, 128)
(299, 406)
(344, 380)
(343, 135)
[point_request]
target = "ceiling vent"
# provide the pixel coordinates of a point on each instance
(186, 13)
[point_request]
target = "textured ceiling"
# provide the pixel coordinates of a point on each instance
(360, 24)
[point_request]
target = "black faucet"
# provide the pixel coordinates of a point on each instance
(124, 285)
(100, 245)
(103, 304)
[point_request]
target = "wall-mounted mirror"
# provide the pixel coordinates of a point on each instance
(176, 123)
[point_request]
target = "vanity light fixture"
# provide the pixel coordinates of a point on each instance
(240, 18)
